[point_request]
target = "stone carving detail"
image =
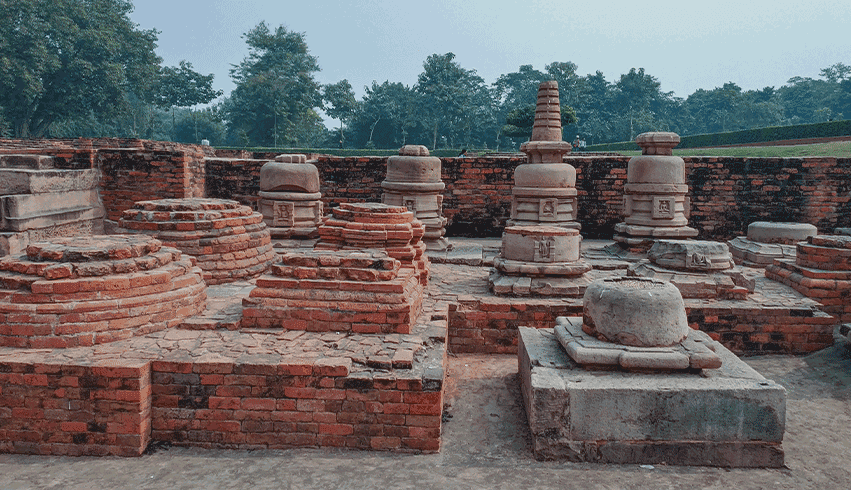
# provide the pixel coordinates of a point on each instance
(283, 214)
(548, 210)
(544, 250)
(663, 207)
(698, 261)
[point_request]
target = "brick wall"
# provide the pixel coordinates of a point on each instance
(75, 410)
(117, 408)
(157, 171)
(247, 406)
(727, 193)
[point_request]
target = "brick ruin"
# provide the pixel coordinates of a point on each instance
(344, 345)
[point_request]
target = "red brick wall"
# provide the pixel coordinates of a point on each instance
(117, 409)
(158, 171)
(75, 410)
(489, 325)
(279, 406)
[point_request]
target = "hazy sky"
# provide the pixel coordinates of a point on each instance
(685, 45)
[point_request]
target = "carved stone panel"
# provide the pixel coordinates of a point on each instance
(283, 214)
(663, 207)
(548, 210)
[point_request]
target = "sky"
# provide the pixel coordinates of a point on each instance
(686, 45)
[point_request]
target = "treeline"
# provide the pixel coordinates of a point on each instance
(82, 68)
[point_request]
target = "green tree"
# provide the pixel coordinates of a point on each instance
(519, 122)
(385, 116)
(63, 59)
(276, 95)
(640, 102)
(342, 103)
(451, 100)
(181, 86)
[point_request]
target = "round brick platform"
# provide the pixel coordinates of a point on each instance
(375, 226)
(89, 290)
(229, 240)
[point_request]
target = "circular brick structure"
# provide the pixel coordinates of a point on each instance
(376, 226)
(82, 291)
(229, 241)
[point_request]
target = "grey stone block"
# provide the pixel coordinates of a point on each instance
(731, 416)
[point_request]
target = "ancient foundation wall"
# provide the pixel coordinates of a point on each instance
(156, 171)
(727, 193)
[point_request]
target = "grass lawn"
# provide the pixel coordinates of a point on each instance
(833, 149)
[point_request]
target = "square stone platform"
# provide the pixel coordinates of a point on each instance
(728, 417)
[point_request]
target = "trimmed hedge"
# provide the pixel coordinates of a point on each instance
(759, 135)
(344, 152)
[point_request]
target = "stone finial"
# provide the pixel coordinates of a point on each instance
(657, 143)
(414, 151)
(547, 125)
(291, 158)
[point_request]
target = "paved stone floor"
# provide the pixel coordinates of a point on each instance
(486, 441)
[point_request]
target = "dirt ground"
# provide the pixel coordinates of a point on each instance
(486, 444)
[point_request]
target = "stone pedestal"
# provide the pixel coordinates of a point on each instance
(822, 271)
(80, 291)
(544, 190)
(728, 417)
(39, 202)
(767, 241)
(413, 181)
(539, 261)
(380, 227)
(698, 268)
(229, 241)
(290, 198)
(656, 203)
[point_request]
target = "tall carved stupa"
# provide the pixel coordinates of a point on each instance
(545, 187)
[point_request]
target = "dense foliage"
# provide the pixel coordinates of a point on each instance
(83, 68)
(774, 133)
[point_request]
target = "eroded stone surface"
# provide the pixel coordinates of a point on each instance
(290, 201)
(784, 232)
(731, 416)
(656, 202)
(635, 311)
(413, 181)
(696, 351)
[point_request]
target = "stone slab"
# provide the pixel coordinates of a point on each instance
(461, 254)
(26, 211)
(755, 254)
(25, 181)
(730, 417)
(696, 351)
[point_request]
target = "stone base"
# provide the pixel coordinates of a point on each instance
(728, 417)
(755, 254)
(727, 284)
(696, 351)
(468, 254)
(571, 287)
(639, 239)
(439, 245)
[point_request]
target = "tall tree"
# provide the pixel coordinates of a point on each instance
(61, 59)
(342, 103)
(181, 86)
(641, 102)
(276, 95)
(385, 116)
(451, 99)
